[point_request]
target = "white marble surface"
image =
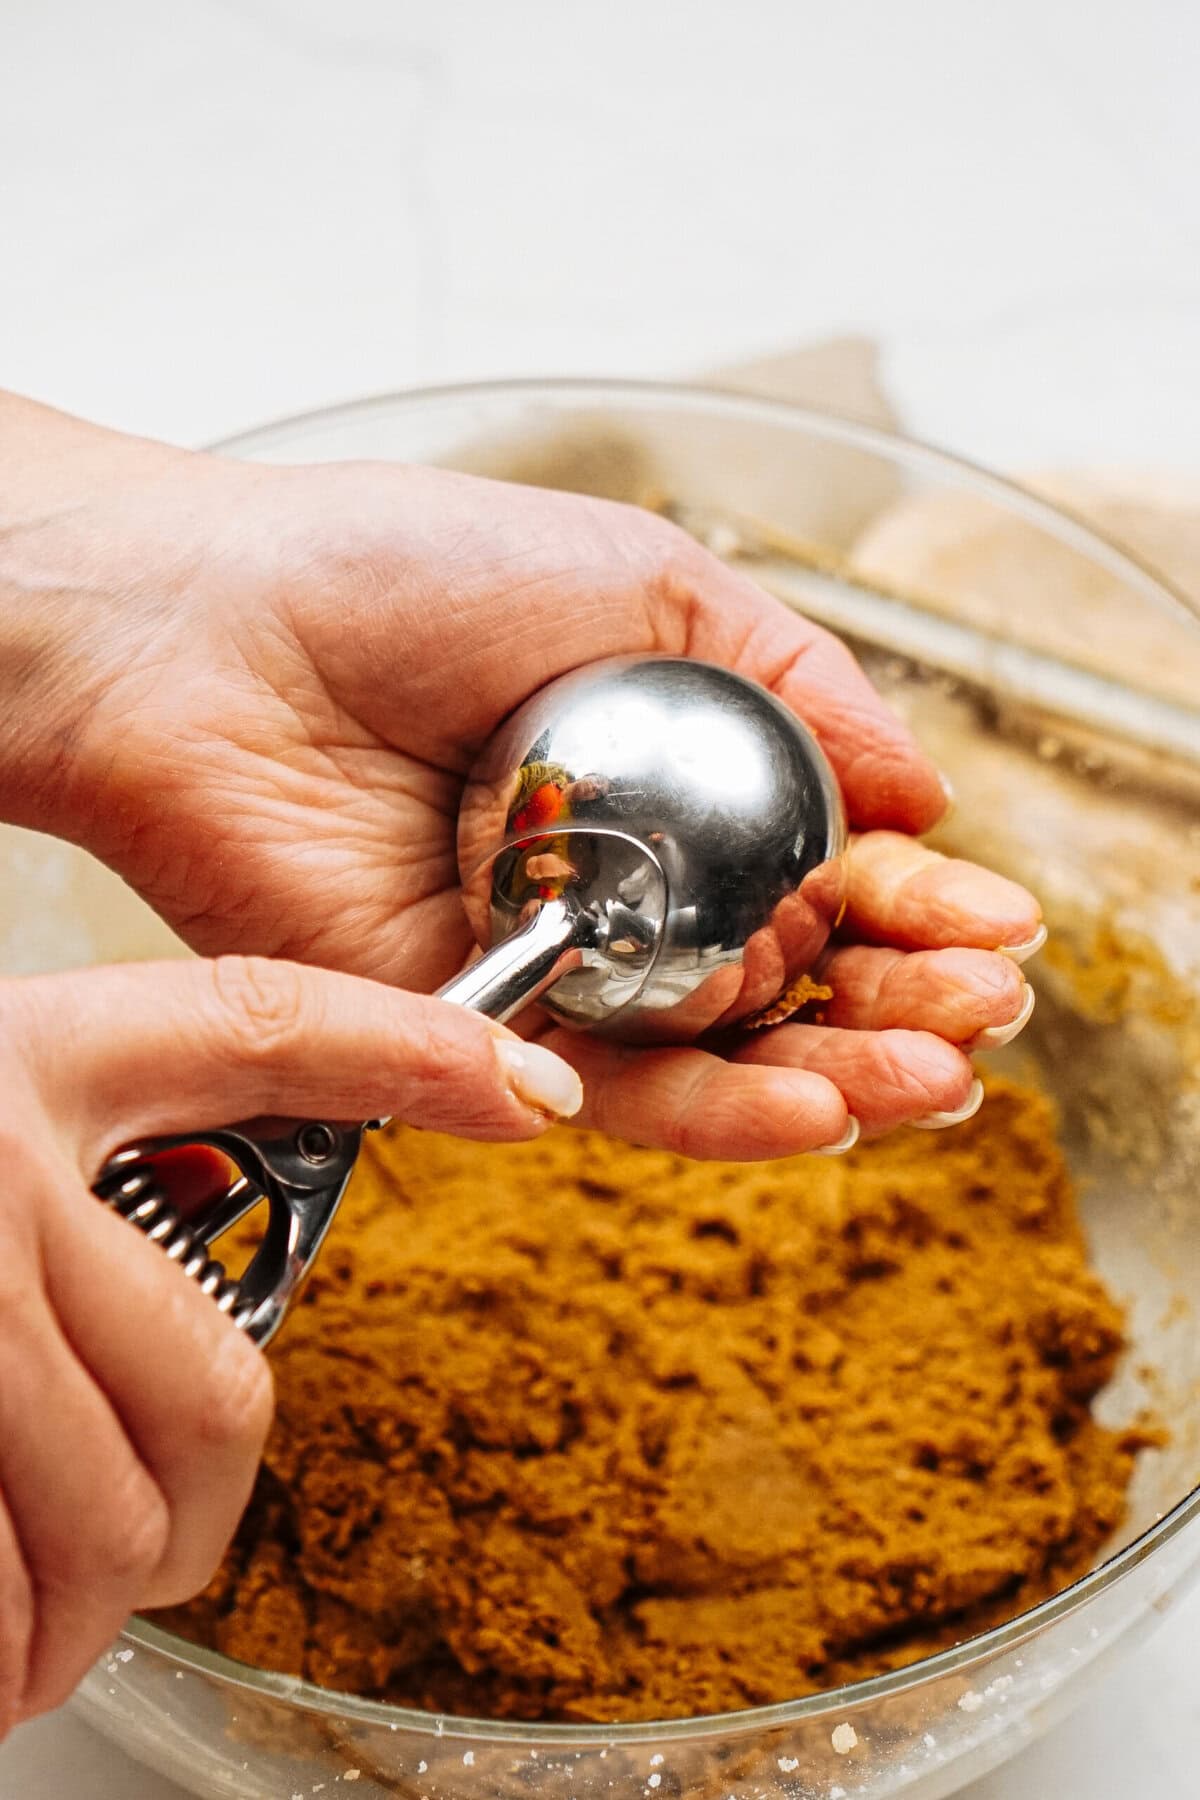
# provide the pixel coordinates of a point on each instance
(215, 212)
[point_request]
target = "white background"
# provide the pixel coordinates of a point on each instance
(215, 211)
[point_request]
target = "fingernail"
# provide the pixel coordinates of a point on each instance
(846, 1142)
(539, 1078)
(939, 1121)
(951, 796)
(1022, 952)
(995, 1036)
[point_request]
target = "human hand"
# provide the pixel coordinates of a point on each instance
(286, 673)
(132, 1413)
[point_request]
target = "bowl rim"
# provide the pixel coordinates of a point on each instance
(1058, 520)
(953, 470)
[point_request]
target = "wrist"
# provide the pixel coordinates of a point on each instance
(71, 573)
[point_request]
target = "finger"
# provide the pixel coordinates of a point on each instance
(886, 1078)
(902, 893)
(192, 1176)
(699, 1105)
(16, 1621)
(192, 1393)
(886, 779)
(179, 1046)
(91, 1522)
(958, 994)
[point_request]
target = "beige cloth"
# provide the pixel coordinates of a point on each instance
(970, 559)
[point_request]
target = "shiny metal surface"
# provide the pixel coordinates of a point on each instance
(300, 1169)
(524, 965)
(687, 820)
(653, 848)
(1126, 1098)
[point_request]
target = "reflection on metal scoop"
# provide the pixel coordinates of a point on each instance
(651, 846)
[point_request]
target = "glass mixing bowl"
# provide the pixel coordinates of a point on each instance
(1055, 678)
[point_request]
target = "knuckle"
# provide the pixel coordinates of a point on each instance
(679, 566)
(139, 1543)
(673, 547)
(122, 1541)
(233, 1412)
(655, 535)
(22, 1289)
(16, 1626)
(839, 661)
(22, 1301)
(14, 1142)
(449, 1053)
(699, 1120)
(655, 547)
(262, 1006)
(445, 1073)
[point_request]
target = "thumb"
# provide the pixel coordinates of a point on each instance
(163, 1047)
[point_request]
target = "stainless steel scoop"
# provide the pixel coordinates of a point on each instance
(651, 846)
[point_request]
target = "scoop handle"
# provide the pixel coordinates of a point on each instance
(302, 1169)
(515, 971)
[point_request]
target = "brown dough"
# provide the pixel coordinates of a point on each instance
(572, 1430)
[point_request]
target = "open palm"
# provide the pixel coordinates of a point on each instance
(308, 669)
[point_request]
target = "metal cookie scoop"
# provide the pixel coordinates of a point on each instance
(651, 846)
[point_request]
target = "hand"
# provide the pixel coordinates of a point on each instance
(264, 686)
(132, 1413)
